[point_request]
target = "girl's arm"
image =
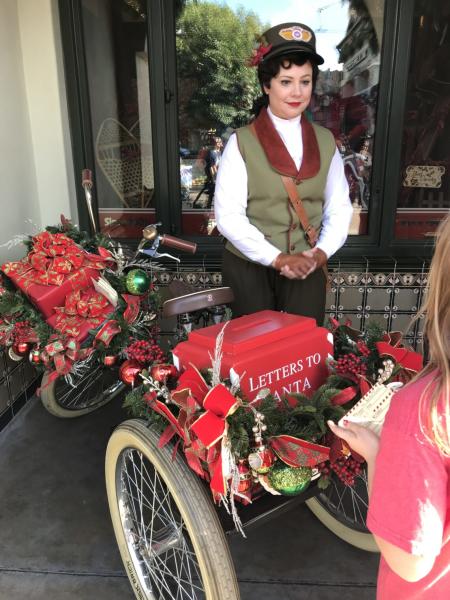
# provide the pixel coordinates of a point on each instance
(366, 443)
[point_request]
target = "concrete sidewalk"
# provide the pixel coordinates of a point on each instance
(57, 543)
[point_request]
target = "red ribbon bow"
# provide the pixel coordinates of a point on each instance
(81, 308)
(298, 453)
(392, 347)
(202, 435)
(62, 354)
(53, 257)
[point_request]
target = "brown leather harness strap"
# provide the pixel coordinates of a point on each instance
(294, 197)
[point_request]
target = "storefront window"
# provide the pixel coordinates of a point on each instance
(118, 75)
(424, 195)
(216, 89)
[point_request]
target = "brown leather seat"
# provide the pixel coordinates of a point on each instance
(197, 301)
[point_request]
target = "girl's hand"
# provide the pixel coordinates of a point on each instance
(362, 440)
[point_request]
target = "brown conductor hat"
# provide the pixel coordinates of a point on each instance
(286, 39)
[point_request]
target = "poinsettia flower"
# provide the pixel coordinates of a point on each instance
(258, 54)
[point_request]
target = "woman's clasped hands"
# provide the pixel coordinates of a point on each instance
(301, 264)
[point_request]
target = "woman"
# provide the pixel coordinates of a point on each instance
(409, 466)
(268, 261)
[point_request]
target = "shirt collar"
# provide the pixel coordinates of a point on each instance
(277, 153)
(282, 124)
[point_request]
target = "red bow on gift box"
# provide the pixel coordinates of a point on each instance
(81, 308)
(53, 257)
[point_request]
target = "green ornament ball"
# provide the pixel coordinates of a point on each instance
(289, 481)
(137, 282)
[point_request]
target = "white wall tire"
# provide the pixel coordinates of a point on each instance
(97, 387)
(343, 510)
(140, 474)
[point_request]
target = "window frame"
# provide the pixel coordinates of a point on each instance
(394, 71)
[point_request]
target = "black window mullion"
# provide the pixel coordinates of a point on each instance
(77, 89)
(399, 85)
(371, 243)
(158, 97)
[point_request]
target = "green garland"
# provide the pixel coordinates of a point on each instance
(307, 417)
(307, 420)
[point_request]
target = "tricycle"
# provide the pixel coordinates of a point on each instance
(224, 435)
(205, 458)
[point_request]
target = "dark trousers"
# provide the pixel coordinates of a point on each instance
(256, 288)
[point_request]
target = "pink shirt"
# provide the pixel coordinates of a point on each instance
(410, 501)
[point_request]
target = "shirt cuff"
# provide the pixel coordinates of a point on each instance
(324, 247)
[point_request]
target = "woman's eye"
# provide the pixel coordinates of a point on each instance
(306, 82)
(285, 82)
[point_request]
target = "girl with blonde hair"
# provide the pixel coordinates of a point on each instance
(409, 466)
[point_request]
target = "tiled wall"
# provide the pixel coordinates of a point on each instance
(391, 296)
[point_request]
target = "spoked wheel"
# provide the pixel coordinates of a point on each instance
(82, 393)
(168, 532)
(343, 510)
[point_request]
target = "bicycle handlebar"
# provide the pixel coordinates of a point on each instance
(174, 242)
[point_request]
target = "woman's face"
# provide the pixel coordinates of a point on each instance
(290, 91)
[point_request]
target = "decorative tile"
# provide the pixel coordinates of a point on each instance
(406, 299)
(378, 299)
(351, 299)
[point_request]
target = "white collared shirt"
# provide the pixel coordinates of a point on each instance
(230, 200)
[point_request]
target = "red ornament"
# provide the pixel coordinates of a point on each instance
(261, 459)
(129, 372)
(21, 348)
(109, 360)
(12, 354)
(245, 478)
(162, 372)
(35, 357)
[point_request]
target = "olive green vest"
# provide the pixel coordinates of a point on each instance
(268, 206)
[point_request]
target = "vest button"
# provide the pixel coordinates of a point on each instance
(292, 247)
(293, 227)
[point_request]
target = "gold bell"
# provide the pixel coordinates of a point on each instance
(149, 233)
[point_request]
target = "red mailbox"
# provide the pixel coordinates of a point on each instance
(283, 352)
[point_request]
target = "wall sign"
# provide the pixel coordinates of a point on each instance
(424, 176)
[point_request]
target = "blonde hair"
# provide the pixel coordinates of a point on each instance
(435, 401)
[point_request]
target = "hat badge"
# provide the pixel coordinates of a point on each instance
(295, 33)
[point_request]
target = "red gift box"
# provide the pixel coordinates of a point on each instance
(54, 267)
(47, 297)
(279, 351)
(82, 311)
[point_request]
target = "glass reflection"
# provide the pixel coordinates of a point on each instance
(118, 74)
(424, 195)
(217, 88)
